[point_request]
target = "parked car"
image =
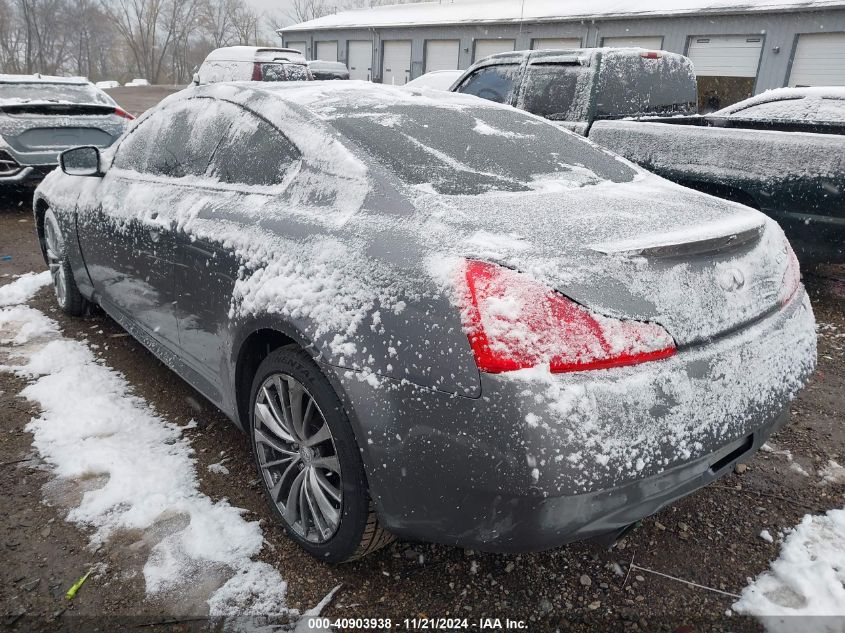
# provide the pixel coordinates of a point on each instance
(814, 105)
(137, 82)
(441, 319)
(632, 101)
(252, 63)
(40, 116)
(436, 79)
(106, 85)
(328, 70)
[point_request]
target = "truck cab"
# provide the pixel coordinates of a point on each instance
(576, 87)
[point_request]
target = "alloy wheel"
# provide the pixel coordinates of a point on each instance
(54, 261)
(297, 457)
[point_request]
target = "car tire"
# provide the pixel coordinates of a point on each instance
(67, 293)
(308, 460)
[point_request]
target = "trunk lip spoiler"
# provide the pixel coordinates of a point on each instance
(714, 237)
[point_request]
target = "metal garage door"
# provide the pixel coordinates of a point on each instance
(396, 62)
(300, 46)
(360, 60)
(441, 55)
(327, 51)
(484, 48)
(726, 55)
(652, 43)
(819, 60)
(555, 42)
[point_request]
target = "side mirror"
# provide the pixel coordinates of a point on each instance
(196, 79)
(81, 161)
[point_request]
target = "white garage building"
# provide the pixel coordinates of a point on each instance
(738, 47)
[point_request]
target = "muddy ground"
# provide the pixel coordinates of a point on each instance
(710, 538)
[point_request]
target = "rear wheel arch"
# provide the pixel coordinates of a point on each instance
(40, 208)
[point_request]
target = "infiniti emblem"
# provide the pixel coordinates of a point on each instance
(732, 279)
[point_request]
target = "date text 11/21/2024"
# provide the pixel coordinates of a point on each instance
(417, 624)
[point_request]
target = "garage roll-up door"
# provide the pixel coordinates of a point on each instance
(299, 46)
(819, 60)
(327, 51)
(725, 55)
(441, 55)
(652, 43)
(541, 43)
(485, 48)
(396, 62)
(360, 60)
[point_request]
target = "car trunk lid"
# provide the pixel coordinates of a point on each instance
(699, 266)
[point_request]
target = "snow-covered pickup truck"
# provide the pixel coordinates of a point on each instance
(643, 104)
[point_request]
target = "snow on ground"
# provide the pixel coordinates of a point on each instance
(91, 425)
(808, 579)
(24, 287)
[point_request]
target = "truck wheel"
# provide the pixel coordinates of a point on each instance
(68, 297)
(308, 460)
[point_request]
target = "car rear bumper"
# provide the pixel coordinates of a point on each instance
(540, 460)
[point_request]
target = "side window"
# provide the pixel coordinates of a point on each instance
(252, 153)
(177, 140)
(494, 83)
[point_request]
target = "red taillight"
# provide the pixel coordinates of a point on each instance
(256, 72)
(651, 55)
(791, 277)
(123, 114)
(514, 322)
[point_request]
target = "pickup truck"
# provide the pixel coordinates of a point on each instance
(642, 105)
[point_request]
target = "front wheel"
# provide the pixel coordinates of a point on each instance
(68, 297)
(308, 460)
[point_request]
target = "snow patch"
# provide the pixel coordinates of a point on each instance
(808, 579)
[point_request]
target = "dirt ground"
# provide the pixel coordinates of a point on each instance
(710, 538)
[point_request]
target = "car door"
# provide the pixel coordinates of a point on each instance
(128, 240)
(246, 172)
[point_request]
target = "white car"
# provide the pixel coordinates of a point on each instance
(252, 63)
(105, 85)
(437, 79)
(137, 82)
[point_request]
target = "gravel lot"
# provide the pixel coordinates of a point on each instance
(710, 538)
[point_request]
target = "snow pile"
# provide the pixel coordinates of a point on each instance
(23, 288)
(808, 579)
(92, 426)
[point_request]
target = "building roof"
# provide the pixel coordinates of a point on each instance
(514, 11)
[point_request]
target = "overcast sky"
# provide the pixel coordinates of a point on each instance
(273, 7)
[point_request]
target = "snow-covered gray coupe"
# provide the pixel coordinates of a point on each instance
(436, 317)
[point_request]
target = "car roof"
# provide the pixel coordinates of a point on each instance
(782, 94)
(564, 55)
(252, 53)
(321, 64)
(43, 79)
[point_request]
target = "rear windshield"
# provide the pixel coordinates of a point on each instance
(60, 93)
(468, 151)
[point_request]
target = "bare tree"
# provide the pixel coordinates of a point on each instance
(245, 22)
(304, 10)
